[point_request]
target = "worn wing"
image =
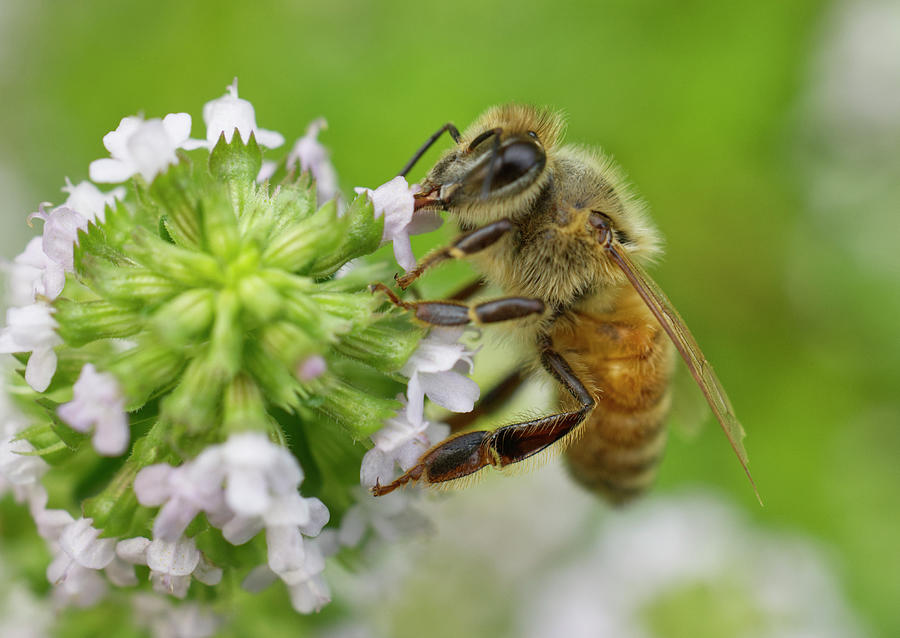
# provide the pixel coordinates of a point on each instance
(687, 346)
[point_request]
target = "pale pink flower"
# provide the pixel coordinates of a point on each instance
(98, 404)
(311, 156)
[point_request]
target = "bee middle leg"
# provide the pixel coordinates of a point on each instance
(456, 313)
(466, 453)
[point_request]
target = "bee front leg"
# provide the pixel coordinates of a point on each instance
(469, 452)
(457, 313)
(463, 246)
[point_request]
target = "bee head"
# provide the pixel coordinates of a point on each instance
(499, 164)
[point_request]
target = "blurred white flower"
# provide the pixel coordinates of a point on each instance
(183, 492)
(311, 156)
(167, 620)
(32, 329)
(142, 146)
(98, 403)
(658, 551)
(79, 554)
(20, 472)
(394, 200)
(229, 112)
(33, 273)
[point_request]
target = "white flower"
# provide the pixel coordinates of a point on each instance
(19, 470)
(307, 588)
(230, 112)
(98, 403)
(244, 485)
(90, 201)
(79, 554)
(33, 273)
(402, 440)
(171, 563)
(32, 329)
(61, 226)
(142, 146)
(256, 470)
(309, 153)
(394, 200)
(437, 370)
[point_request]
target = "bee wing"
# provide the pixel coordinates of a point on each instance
(687, 347)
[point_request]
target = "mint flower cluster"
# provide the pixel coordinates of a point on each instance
(201, 368)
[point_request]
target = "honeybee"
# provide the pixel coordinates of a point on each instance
(558, 229)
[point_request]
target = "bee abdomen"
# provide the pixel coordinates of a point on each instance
(620, 450)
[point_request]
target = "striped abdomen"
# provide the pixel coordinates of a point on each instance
(626, 359)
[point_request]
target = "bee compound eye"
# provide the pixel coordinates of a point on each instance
(514, 161)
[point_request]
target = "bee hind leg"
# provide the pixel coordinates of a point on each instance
(466, 453)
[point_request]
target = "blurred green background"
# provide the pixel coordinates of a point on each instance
(769, 181)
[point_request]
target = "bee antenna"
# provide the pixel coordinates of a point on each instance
(492, 165)
(454, 133)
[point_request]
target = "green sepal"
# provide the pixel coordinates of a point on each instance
(144, 369)
(287, 343)
(177, 193)
(298, 246)
(235, 161)
(362, 236)
(94, 243)
(227, 338)
(359, 412)
(187, 267)
(385, 345)
(277, 382)
(86, 321)
(195, 401)
(47, 443)
(185, 317)
(73, 439)
(259, 299)
(128, 285)
(355, 308)
(220, 231)
(243, 407)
